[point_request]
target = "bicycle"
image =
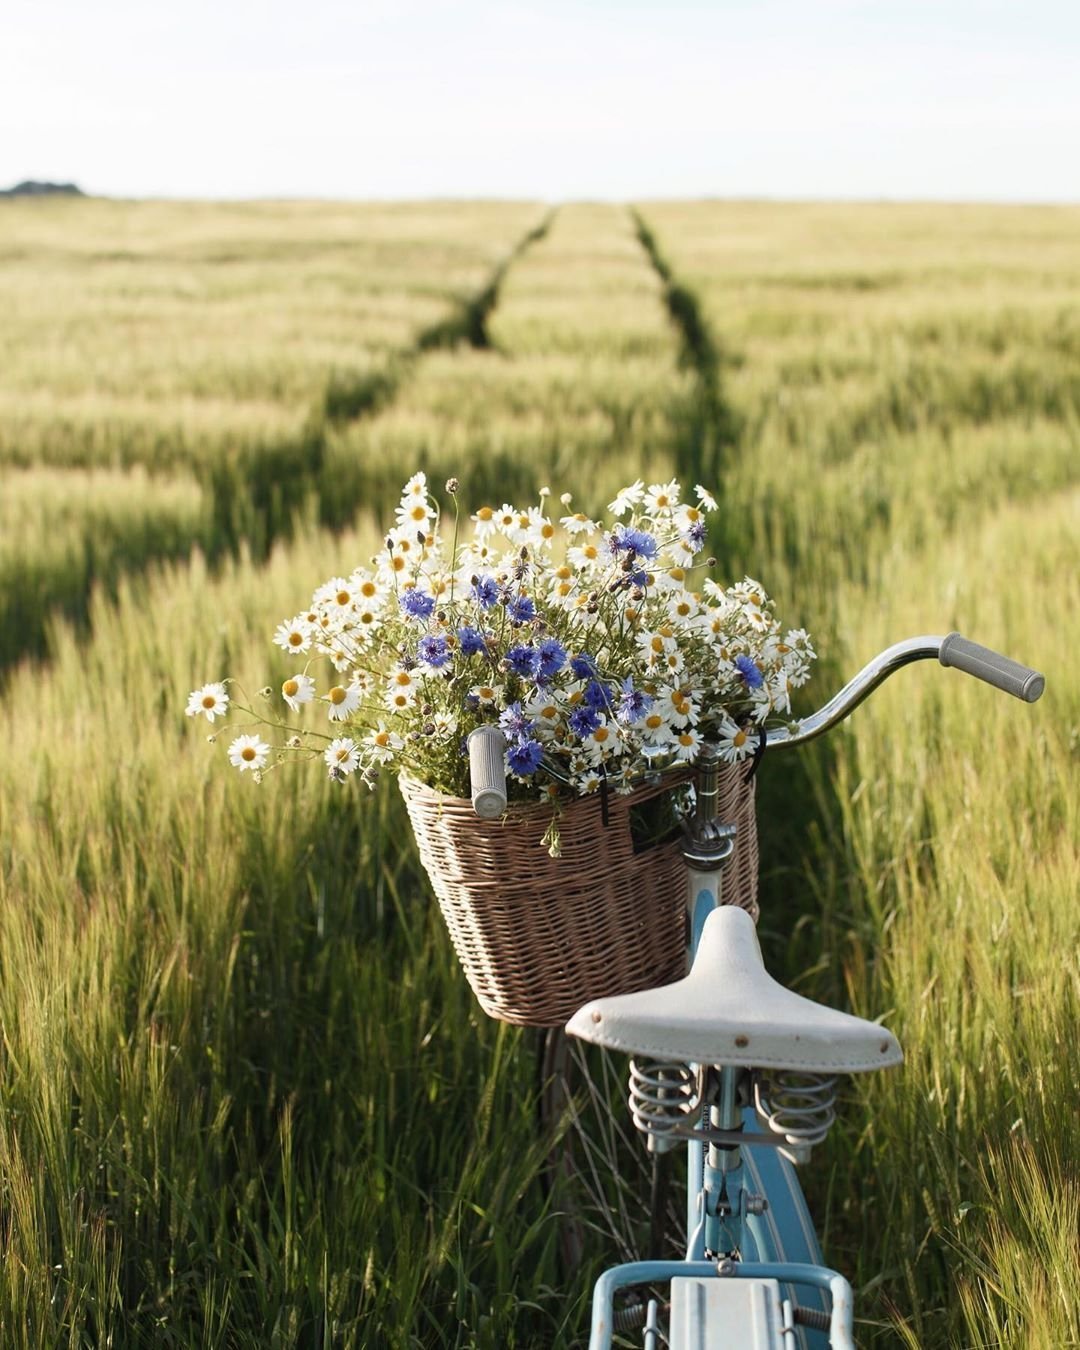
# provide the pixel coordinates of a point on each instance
(742, 1071)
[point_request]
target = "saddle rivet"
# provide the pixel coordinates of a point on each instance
(742, 1041)
(597, 1017)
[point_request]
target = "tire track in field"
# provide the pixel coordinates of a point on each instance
(251, 501)
(789, 809)
(252, 498)
(349, 400)
(712, 430)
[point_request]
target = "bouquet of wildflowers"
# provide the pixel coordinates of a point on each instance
(600, 649)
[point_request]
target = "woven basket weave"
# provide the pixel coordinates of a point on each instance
(539, 936)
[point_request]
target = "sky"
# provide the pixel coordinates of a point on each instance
(932, 99)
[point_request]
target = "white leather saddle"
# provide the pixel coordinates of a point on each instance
(729, 1010)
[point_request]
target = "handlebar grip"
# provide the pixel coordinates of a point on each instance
(487, 771)
(986, 664)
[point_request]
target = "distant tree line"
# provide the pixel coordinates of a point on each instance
(31, 188)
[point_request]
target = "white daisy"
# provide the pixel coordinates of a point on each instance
(382, 744)
(401, 689)
(603, 742)
(657, 648)
(563, 582)
(478, 557)
(587, 555)
(733, 742)
(687, 516)
(682, 607)
(780, 693)
(337, 595)
(445, 724)
(414, 513)
(248, 752)
(761, 704)
(370, 594)
(294, 635)
(212, 700)
(677, 707)
(416, 487)
(662, 498)
(544, 709)
(508, 521)
(343, 701)
(685, 549)
(654, 730)
(626, 498)
(298, 689)
(487, 695)
(578, 523)
(707, 500)
(537, 531)
(484, 525)
(342, 757)
(340, 655)
(687, 744)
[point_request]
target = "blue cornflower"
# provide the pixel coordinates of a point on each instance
(633, 703)
(750, 673)
(515, 722)
(521, 609)
(552, 657)
(524, 758)
(639, 577)
(638, 543)
(485, 591)
(696, 534)
(416, 604)
(583, 666)
(433, 651)
(597, 695)
(471, 640)
(524, 661)
(582, 721)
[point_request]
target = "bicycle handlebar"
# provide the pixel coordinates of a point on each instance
(953, 650)
(487, 744)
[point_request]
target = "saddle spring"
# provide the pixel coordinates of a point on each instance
(799, 1106)
(662, 1094)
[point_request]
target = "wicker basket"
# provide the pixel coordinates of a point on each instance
(539, 936)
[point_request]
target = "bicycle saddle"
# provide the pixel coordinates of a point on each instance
(729, 1010)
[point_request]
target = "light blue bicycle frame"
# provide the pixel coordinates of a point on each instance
(723, 1211)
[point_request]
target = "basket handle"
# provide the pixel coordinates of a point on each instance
(487, 771)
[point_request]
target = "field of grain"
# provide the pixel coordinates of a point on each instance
(246, 1098)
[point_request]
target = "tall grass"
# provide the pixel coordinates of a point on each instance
(952, 905)
(63, 530)
(245, 1097)
(235, 334)
(579, 381)
(907, 463)
(249, 302)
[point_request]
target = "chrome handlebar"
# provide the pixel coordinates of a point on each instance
(486, 743)
(952, 650)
